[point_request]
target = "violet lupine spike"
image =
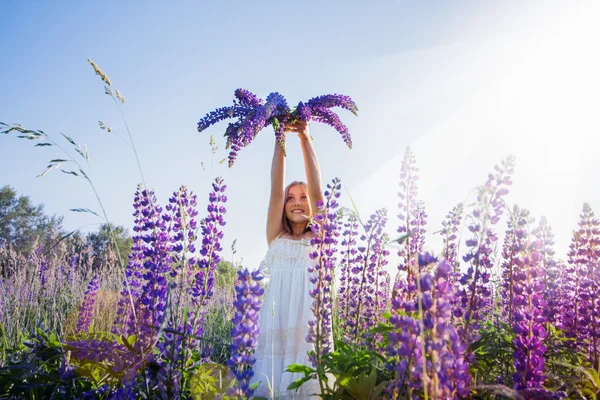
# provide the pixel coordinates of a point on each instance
(382, 280)
(571, 289)
(349, 252)
(182, 211)
(408, 211)
(326, 116)
(170, 375)
(125, 321)
(428, 351)
(86, 313)
(475, 291)
(333, 100)
(515, 241)
(176, 353)
(553, 275)
(221, 114)
(586, 295)
(528, 321)
(363, 304)
(325, 228)
(202, 289)
(247, 98)
(449, 233)
(156, 268)
(248, 300)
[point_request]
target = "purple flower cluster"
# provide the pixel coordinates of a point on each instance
(425, 347)
(325, 229)
(245, 331)
(126, 320)
(413, 219)
(254, 114)
(528, 319)
(553, 271)
(349, 268)
(474, 293)
(202, 289)
(365, 298)
(87, 307)
(515, 242)
(581, 308)
(449, 229)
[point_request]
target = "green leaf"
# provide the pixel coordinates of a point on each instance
(70, 172)
(57, 160)
(43, 144)
(299, 368)
(296, 384)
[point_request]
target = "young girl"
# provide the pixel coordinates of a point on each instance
(286, 307)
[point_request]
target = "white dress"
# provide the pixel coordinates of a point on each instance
(284, 317)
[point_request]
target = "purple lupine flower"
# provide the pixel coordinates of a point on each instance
(245, 330)
(202, 288)
(528, 320)
(427, 353)
(221, 114)
(349, 253)
(582, 311)
(174, 350)
(410, 213)
(254, 114)
(333, 100)
(326, 116)
(170, 375)
(325, 230)
(43, 272)
(474, 293)
(515, 241)
(382, 279)
(449, 230)
(125, 322)
(181, 212)
(363, 303)
(247, 98)
(86, 312)
(571, 289)
(553, 271)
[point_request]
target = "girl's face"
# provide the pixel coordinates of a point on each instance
(297, 204)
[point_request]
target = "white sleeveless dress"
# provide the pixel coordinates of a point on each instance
(284, 317)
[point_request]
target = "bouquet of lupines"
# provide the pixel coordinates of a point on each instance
(254, 114)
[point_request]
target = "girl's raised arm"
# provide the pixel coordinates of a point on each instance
(311, 164)
(276, 202)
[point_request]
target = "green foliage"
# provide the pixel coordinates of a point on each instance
(359, 373)
(38, 369)
(210, 381)
(226, 274)
(493, 353)
(22, 223)
(108, 243)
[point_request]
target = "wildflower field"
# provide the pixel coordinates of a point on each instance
(493, 313)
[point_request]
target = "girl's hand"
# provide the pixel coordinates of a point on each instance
(300, 127)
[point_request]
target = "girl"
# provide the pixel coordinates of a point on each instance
(286, 307)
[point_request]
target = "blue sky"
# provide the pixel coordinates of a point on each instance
(464, 83)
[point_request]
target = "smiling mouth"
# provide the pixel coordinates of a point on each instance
(297, 211)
